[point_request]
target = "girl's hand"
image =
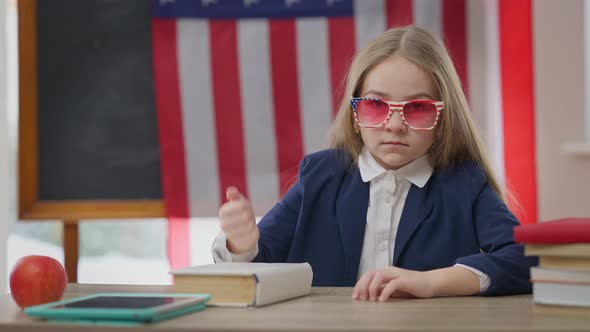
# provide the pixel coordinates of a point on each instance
(393, 282)
(236, 218)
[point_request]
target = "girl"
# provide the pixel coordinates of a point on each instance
(404, 203)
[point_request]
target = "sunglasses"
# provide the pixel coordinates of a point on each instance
(417, 114)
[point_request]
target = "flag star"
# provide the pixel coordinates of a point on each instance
(247, 3)
(165, 2)
(331, 2)
(206, 3)
(289, 3)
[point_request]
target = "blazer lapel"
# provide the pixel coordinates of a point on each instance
(417, 208)
(351, 214)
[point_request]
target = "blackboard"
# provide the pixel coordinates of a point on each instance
(88, 126)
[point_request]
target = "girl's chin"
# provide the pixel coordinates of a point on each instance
(388, 162)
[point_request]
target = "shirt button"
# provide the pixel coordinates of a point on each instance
(388, 198)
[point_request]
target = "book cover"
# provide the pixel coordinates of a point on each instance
(567, 230)
(245, 284)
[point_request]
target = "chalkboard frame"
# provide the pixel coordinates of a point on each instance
(30, 206)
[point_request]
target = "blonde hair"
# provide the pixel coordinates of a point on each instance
(456, 138)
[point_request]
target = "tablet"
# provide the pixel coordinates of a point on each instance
(131, 307)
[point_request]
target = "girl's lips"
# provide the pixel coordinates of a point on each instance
(395, 143)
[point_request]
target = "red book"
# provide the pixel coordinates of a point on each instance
(567, 230)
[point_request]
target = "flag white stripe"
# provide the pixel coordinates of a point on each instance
(428, 14)
(369, 20)
(485, 79)
(495, 119)
(314, 82)
(476, 63)
(257, 105)
(197, 116)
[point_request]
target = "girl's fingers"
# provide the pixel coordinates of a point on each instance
(233, 194)
(400, 288)
(375, 285)
(225, 210)
(234, 209)
(236, 225)
(361, 287)
(389, 289)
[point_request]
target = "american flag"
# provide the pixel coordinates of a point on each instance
(246, 88)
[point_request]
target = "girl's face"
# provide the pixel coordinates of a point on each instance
(395, 144)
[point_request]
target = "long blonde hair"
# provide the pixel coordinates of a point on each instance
(456, 138)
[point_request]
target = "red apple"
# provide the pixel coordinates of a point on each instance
(36, 280)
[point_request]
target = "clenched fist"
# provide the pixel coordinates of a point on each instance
(237, 221)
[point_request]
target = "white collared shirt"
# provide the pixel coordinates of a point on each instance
(387, 196)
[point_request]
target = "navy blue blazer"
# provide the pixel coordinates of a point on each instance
(456, 218)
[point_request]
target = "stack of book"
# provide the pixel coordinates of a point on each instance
(561, 282)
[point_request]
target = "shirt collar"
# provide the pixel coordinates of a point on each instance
(417, 172)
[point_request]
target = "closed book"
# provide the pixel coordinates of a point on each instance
(562, 293)
(245, 284)
(565, 263)
(567, 230)
(543, 275)
(558, 250)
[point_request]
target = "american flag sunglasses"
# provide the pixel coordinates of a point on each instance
(418, 114)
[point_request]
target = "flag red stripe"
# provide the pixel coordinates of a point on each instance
(516, 68)
(227, 106)
(341, 48)
(399, 13)
(172, 159)
(455, 32)
(286, 105)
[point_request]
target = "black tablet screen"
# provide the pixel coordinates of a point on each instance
(121, 302)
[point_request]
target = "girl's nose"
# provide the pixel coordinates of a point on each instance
(396, 123)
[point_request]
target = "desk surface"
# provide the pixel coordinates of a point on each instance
(328, 309)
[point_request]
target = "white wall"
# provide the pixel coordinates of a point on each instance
(4, 214)
(563, 180)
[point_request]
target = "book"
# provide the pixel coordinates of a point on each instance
(567, 230)
(245, 284)
(544, 275)
(562, 293)
(558, 250)
(565, 263)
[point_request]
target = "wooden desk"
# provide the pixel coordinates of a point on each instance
(328, 309)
